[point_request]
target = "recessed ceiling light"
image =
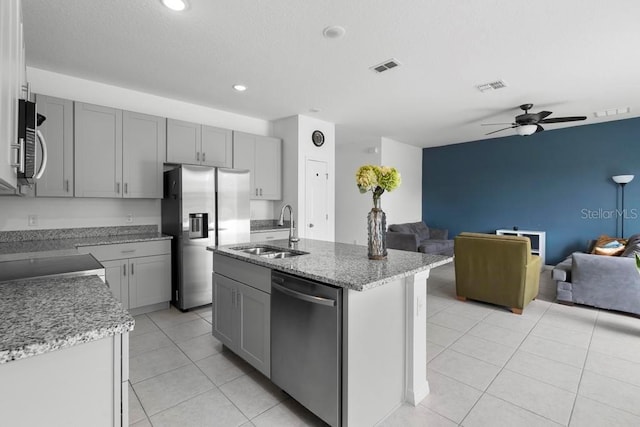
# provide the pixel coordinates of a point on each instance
(177, 5)
(333, 32)
(240, 88)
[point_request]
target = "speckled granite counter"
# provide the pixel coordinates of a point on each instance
(42, 315)
(38, 243)
(341, 264)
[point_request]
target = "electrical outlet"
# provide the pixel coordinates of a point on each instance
(32, 220)
(130, 218)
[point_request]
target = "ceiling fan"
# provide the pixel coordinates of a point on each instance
(529, 123)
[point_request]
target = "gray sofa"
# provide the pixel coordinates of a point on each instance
(418, 237)
(609, 282)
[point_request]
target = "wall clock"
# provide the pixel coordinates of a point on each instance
(318, 138)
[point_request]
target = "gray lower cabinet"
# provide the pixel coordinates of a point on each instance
(138, 274)
(57, 129)
(242, 320)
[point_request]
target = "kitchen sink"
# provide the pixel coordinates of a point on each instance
(280, 255)
(260, 250)
(272, 252)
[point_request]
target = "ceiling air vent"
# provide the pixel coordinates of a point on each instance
(498, 84)
(386, 65)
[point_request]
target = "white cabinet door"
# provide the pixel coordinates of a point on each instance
(149, 280)
(98, 151)
(254, 327)
(184, 140)
(57, 180)
(224, 312)
(217, 147)
(116, 278)
(268, 167)
(143, 151)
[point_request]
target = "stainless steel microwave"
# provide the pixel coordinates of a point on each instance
(28, 137)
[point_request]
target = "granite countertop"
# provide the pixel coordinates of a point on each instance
(34, 244)
(41, 315)
(340, 264)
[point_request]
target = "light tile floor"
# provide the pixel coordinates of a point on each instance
(554, 365)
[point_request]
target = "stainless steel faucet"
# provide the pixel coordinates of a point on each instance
(292, 235)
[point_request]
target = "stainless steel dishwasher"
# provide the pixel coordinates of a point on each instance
(306, 343)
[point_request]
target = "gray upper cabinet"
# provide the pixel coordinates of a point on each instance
(195, 144)
(184, 140)
(143, 153)
(217, 147)
(118, 154)
(98, 151)
(262, 155)
(57, 180)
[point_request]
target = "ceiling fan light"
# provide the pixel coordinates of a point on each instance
(525, 130)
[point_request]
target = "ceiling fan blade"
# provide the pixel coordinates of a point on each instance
(539, 129)
(495, 124)
(541, 115)
(563, 119)
(500, 130)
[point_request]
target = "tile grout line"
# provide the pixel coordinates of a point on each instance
(197, 367)
(485, 391)
(584, 364)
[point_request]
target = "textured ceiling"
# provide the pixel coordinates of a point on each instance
(572, 57)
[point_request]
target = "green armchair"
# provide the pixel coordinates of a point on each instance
(496, 269)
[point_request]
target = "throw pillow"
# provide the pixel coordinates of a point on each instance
(633, 246)
(609, 246)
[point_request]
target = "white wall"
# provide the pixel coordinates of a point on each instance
(73, 213)
(404, 204)
(352, 206)
(77, 89)
(308, 151)
(297, 148)
(82, 212)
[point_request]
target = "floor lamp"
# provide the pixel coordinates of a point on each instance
(622, 180)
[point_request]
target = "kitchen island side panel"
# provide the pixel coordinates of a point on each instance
(374, 353)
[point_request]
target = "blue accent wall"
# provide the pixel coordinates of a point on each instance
(558, 181)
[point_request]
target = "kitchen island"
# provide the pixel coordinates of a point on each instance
(382, 325)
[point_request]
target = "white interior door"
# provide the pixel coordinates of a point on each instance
(316, 203)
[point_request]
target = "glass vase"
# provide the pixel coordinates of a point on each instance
(377, 226)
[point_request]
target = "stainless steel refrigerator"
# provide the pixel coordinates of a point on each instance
(202, 207)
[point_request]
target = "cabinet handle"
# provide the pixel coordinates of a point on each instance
(117, 188)
(124, 270)
(126, 188)
(132, 269)
(198, 156)
(203, 156)
(66, 184)
(261, 191)
(233, 297)
(256, 191)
